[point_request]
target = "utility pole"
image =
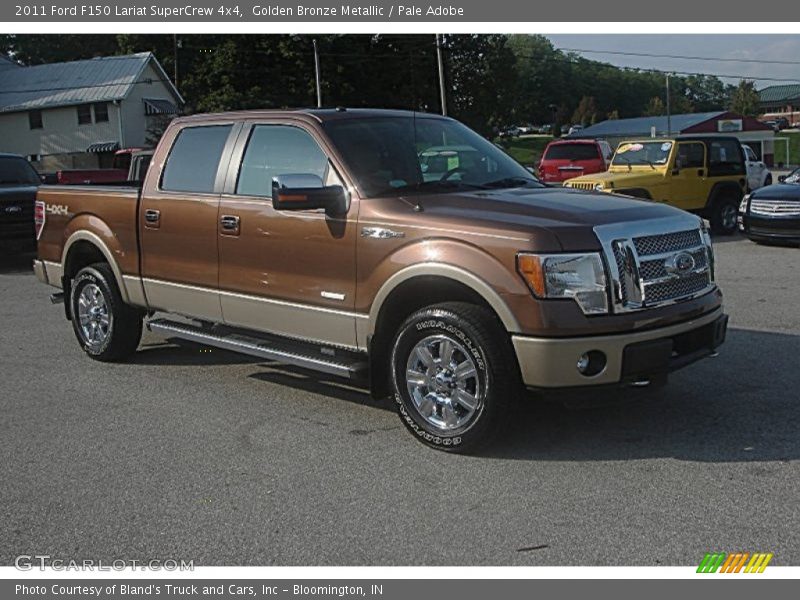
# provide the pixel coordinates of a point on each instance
(440, 60)
(669, 114)
(316, 74)
(175, 59)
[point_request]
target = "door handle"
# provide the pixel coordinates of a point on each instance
(152, 216)
(229, 224)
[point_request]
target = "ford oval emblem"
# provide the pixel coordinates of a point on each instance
(680, 264)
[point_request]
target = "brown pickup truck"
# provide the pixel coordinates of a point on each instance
(395, 248)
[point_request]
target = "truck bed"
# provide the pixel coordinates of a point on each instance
(107, 212)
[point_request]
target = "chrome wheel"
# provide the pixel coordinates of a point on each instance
(442, 380)
(93, 315)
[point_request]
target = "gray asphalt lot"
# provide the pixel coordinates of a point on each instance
(201, 455)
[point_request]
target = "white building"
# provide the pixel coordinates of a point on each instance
(76, 114)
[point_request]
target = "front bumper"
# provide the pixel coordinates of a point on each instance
(630, 357)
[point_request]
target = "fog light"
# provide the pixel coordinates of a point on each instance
(591, 363)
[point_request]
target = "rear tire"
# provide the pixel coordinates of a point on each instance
(455, 376)
(723, 215)
(107, 329)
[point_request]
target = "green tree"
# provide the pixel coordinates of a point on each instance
(745, 99)
(655, 108)
(586, 113)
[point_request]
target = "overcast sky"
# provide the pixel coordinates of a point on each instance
(750, 47)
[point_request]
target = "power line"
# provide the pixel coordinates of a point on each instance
(708, 58)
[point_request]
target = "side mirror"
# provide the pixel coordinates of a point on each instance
(782, 179)
(306, 191)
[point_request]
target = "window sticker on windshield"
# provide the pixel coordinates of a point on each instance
(452, 162)
(397, 183)
(629, 148)
(666, 146)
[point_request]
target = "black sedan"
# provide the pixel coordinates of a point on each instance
(18, 183)
(772, 213)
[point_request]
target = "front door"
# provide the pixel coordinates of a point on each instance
(285, 272)
(178, 222)
(688, 184)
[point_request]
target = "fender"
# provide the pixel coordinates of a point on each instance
(131, 294)
(722, 187)
(366, 327)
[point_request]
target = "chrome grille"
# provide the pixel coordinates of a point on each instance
(775, 208)
(656, 268)
(670, 242)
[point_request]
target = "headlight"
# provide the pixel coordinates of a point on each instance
(580, 277)
(709, 248)
(743, 204)
(599, 187)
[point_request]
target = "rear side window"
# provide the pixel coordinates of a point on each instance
(194, 159)
(691, 155)
(572, 152)
(278, 150)
(725, 158)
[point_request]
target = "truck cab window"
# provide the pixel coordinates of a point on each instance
(274, 150)
(194, 159)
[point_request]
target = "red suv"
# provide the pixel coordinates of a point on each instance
(565, 159)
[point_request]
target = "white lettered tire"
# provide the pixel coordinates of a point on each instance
(455, 376)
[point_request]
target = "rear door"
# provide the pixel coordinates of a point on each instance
(178, 220)
(290, 273)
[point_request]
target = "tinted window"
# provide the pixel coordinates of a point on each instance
(101, 112)
(725, 158)
(572, 152)
(35, 119)
(84, 114)
(414, 154)
(17, 170)
(691, 156)
(194, 159)
(278, 150)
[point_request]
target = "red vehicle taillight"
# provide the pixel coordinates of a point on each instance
(39, 216)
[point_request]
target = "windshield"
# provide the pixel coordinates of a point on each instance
(642, 153)
(15, 171)
(403, 155)
(793, 177)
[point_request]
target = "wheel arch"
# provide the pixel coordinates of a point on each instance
(83, 248)
(414, 288)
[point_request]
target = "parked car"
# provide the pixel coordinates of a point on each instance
(546, 129)
(312, 238)
(18, 184)
(702, 174)
(116, 174)
(758, 174)
(565, 159)
(575, 129)
(772, 213)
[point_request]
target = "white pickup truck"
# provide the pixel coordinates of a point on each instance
(758, 174)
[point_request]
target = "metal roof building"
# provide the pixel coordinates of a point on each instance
(781, 101)
(56, 113)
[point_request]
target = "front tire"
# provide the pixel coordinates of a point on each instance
(455, 376)
(107, 329)
(723, 215)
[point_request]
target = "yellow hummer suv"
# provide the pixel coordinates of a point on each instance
(705, 175)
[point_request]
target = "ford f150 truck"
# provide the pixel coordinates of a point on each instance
(316, 238)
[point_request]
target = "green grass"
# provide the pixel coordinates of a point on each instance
(527, 150)
(794, 147)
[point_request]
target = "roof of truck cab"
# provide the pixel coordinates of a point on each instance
(317, 114)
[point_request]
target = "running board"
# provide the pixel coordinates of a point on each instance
(334, 361)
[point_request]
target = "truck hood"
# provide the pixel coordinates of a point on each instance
(624, 179)
(554, 218)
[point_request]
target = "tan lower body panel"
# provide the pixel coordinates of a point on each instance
(48, 272)
(189, 300)
(551, 362)
(337, 328)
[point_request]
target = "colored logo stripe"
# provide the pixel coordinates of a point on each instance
(733, 563)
